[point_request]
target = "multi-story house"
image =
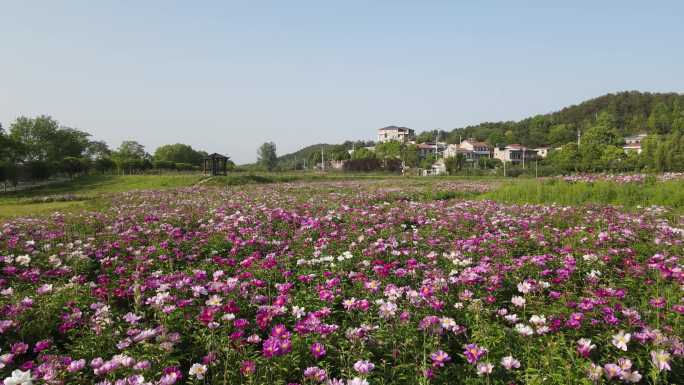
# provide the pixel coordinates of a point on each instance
(515, 153)
(633, 143)
(470, 148)
(400, 134)
(427, 149)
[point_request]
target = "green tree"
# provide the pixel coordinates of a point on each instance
(178, 153)
(73, 165)
(68, 142)
(659, 120)
(98, 150)
(613, 158)
(389, 149)
(104, 164)
(267, 157)
(362, 153)
(410, 155)
(428, 161)
(454, 164)
(131, 156)
(131, 150)
(561, 134)
(35, 135)
(566, 159)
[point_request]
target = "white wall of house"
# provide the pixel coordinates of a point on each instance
(400, 135)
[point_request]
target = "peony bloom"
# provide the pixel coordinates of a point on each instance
(364, 366)
(171, 376)
(612, 371)
(524, 330)
(584, 347)
(357, 381)
(631, 377)
(75, 366)
(198, 371)
(315, 373)
(595, 372)
(661, 360)
(473, 353)
(518, 301)
(318, 350)
(19, 377)
(538, 320)
(247, 367)
(621, 340)
(439, 358)
(484, 368)
(510, 363)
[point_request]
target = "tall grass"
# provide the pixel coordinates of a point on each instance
(670, 193)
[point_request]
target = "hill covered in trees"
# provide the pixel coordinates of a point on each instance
(311, 155)
(603, 123)
(631, 112)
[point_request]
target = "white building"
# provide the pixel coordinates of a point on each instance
(438, 168)
(542, 152)
(515, 153)
(633, 143)
(470, 148)
(400, 134)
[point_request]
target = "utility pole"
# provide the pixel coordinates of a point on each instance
(523, 156)
(579, 137)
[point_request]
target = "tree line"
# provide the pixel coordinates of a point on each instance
(38, 148)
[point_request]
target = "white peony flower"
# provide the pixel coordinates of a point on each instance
(19, 377)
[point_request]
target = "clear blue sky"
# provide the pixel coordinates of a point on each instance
(226, 76)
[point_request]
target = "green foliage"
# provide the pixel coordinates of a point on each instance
(164, 165)
(72, 165)
(98, 150)
(362, 164)
(455, 164)
(629, 112)
(178, 153)
(267, 157)
(362, 153)
(104, 164)
(428, 161)
(389, 149)
(42, 139)
(670, 193)
(130, 150)
(664, 153)
(38, 169)
(131, 157)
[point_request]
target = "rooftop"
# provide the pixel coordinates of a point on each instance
(395, 128)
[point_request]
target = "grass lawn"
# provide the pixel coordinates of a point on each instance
(669, 194)
(89, 191)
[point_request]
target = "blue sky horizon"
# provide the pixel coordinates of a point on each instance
(228, 76)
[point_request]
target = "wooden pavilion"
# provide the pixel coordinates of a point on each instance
(216, 164)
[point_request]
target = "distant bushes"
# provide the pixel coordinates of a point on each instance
(372, 164)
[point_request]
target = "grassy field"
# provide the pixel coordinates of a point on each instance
(84, 192)
(668, 194)
(91, 192)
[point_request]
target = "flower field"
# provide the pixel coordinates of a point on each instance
(341, 283)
